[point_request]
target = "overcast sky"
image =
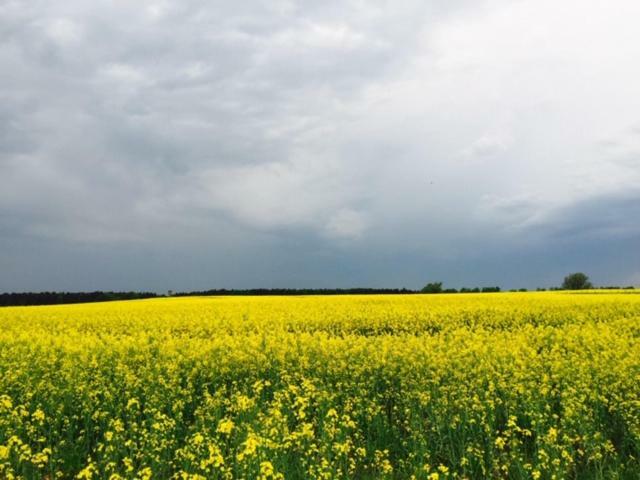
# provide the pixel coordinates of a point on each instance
(200, 144)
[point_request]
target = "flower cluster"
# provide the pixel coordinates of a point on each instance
(513, 385)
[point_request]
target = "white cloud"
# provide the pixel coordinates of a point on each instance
(321, 36)
(390, 123)
(64, 31)
(346, 224)
(124, 74)
(486, 145)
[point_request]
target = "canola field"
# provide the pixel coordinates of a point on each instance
(510, 385)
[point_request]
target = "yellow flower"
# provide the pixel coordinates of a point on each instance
(198, 439)
(87, 472)
(5, 402)
(267, 472)
(39, 415)
(225, 426)
(145, 473)
(251, 444)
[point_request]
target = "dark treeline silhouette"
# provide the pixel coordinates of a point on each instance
(298, 291)
(436, 287)
(604, 287)
(628, 287)
(54, 298)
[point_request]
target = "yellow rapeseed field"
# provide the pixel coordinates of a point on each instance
(511, 385)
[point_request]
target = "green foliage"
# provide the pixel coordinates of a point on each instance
(435, 287)
(490, 289)
(576, 281)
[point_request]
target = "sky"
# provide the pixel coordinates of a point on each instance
(199, 144)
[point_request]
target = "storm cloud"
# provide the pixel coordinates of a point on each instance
(198, 144)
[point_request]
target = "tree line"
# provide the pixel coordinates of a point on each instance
(24, 299)
(54, 298)
(574, 281)
(295, 291)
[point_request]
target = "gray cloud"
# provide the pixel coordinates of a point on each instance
(304, 143)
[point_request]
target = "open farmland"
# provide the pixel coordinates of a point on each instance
(512, 385)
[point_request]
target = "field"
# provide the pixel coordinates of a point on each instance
(512, 385)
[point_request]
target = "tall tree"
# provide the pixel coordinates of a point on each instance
(576, 281)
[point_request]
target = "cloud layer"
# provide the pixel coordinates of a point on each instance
(202, 144)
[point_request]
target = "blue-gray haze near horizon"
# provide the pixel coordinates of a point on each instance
(196, 144)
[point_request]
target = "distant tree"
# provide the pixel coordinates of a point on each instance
(576, 281)
(470, 290)
(435, 287)
(490, 289)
